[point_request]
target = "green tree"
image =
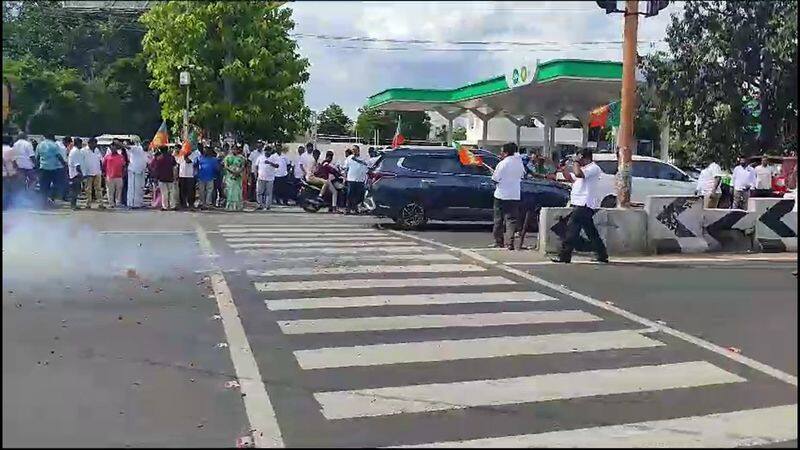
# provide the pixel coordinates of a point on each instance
(333, 120)
(246, 71)
(459, 133)
(414, 124)
(723, 55)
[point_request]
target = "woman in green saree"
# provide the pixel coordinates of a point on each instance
(234, 166)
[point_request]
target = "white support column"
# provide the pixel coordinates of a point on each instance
(518, 123)
(584, 118)
(485, 118)
(449, 116)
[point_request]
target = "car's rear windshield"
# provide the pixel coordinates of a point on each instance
(432, 163)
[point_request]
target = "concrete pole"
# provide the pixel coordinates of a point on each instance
(584, 118)
(628, 106)
(664, 141)
(449, 131)
(518, 134)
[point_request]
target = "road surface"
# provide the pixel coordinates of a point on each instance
(316, 330)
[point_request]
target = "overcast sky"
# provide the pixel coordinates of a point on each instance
(348, 76)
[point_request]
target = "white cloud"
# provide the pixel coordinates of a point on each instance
(348, 76)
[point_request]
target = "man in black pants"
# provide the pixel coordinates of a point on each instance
(585, 201)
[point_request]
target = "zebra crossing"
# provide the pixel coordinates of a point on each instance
(397, 344)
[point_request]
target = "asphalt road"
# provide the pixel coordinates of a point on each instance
(343, 334)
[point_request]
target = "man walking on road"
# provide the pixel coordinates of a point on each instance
(186, 184)
(51, 163)
(93, 174)
(163, 168)
(24, 158)
(114, 164)
(585, 202)
(75, 166)
(356, 179)
(208, 168)
(508, 176)
(266, 166)
(744, 178)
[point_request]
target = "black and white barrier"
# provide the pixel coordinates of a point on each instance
(623, 231)
(675, 224)
(776, 224)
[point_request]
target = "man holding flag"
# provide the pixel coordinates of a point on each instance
(508, 175)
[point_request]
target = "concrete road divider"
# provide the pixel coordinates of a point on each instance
(675, 224)
(624, 231)
(729, 230)
(776, 224)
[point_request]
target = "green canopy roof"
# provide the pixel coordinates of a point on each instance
(559, 85)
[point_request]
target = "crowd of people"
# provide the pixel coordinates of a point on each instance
(212, 175)
(746, 180)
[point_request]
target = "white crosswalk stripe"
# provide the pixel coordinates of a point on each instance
(430, 268)
(428, 351)
(406, 300)
(745, 428)
(334, 251)
(537, 388)
(358, 331)
(325, 244)
(277, 286)
(338, 325)
(316, 240)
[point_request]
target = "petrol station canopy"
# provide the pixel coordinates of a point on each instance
(545, 91)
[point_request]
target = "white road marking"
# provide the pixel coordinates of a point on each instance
(738, 357)
(286, 229)
(261, 415)
(537, 388)
(670, 260)
(722, 430)
(228, 234)
(334, 251)
(451, 350)
(349, 324)
(292, 226)
(333, 260)
(315, 239)
(367, 269)
(324, 244)
(405, 300)
(371, 283)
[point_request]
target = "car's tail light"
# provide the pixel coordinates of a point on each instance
(376, 176)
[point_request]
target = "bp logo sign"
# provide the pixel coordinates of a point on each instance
(520, 76)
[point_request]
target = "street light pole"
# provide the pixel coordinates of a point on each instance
(628, 103)
(185, 80)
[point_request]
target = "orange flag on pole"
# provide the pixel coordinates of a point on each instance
(161, 137)
(468, 158)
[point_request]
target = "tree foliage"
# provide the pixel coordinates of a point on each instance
(725, 58)
(333, 120)
(414, 124)
(76, 73)
(459, 133)
(245, 69)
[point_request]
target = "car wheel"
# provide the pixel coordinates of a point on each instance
(411, 216)
(609, 202)
(311, 207)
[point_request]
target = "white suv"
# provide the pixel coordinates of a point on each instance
(650, 176)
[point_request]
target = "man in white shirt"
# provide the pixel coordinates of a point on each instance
(137, 163)
(508, 175)
(356, 180)
(253, 158)
(299, 173)
(709, 185)
(743, 178)
(24, 157)
(75, 172)
(11, 175)
(281, 176)
(764, 173)
(93, 174)
(266, 166)
(307, 163)
(186, 182)
(585, 201)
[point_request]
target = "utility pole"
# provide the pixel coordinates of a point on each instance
(628, 106)
(625, 140)
(185, 80)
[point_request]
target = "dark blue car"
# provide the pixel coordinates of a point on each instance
(412, 185)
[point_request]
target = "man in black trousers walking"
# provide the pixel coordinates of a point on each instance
(585, 201)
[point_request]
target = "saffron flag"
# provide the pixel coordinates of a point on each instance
(467, 158)
(161, 138)
(605, 115)
(189, 144)
(398, 138)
